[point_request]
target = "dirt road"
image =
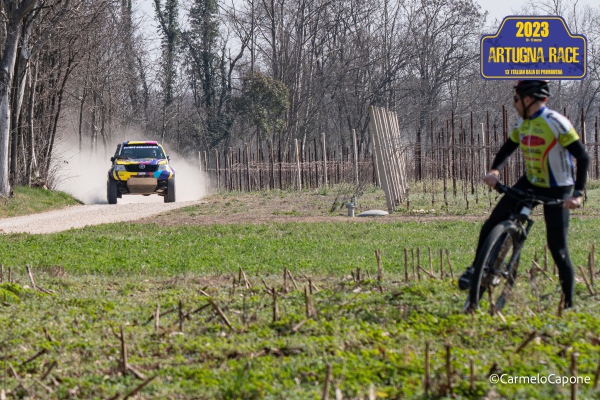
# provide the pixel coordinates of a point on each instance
(83, 215)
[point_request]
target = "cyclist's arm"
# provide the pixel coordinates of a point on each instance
(504, 153)
(578, 151)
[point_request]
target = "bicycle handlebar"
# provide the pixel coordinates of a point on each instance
(527, 196)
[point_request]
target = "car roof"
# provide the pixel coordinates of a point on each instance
(142, 142)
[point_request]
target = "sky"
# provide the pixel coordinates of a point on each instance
(498, 9)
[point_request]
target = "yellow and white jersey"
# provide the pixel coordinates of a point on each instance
(542, 139)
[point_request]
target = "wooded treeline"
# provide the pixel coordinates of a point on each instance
(263, 73)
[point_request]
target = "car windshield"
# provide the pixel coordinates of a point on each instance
(142, 152)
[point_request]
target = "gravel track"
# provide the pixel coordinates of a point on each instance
(84, 215)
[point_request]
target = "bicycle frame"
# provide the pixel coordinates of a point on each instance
(520, 218)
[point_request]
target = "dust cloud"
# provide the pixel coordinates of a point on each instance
(83, 175)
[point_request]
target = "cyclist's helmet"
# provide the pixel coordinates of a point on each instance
(534, 88)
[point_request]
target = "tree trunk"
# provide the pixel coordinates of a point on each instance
(32, 168)
(7, 65)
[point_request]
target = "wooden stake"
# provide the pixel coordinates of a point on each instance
(10, 275)
(157, 318)
(448, 369)
(19, 380)
(379, 270)
(123, 352)
(52, 365)
(31, 277)
(419, 262)
(139, 387)
(471, 375)
(586, 281)
(574, 356)
(1, 273)
(325, 395)
(285, 282)
(267, 287)
(561, 305)
(36, 355)
(275, 307)
(594, 258)
(412, 261)
(313, 286)
(441, 264)
(499, 314)
(308, 303)
(221, 314)
(426, 380)
(531, 336)
(292, 279)
(546, 258)
(596, 376)
(427, 272)
(246, 281)
(405, 265)
(299, 325)
(180, 316)
(546, 274)
(592, 264)
(449, 263)
(430, 260)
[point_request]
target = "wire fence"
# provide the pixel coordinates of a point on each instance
(449, 159)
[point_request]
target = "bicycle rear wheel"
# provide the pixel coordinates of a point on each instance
(496, 267)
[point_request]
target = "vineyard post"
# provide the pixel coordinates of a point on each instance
(206, 167)
(574, 357)
(375, 128)
(299, 177)
(217, 171)
(596, 147)
(355, 149)
(324, 160)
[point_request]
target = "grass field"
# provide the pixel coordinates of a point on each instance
(28, 200)
(220, 338)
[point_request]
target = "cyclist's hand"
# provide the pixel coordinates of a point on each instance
(492, 178)
(572, 203)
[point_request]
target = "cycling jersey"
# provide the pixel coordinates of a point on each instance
(542, 139)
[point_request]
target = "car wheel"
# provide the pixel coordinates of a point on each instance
(111, 191)
(170, 196)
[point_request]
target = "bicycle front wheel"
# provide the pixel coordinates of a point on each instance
(496, 267)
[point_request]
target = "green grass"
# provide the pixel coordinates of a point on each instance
(33, 200)
(115, 275)
(318, 248)
(373, 334)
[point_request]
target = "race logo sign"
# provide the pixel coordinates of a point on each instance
(533, 47)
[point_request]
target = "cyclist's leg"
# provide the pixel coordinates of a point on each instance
(500, 213)
(557, 225)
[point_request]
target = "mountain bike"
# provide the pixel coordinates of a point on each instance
(498, 260)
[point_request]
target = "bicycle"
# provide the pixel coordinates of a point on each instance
(498, 260)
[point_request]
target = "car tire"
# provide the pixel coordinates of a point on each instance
(111, 191)
(170, 196)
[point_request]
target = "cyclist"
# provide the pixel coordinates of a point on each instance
(548, 142)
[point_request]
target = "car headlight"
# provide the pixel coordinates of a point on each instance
(163, 167)
(120, 168)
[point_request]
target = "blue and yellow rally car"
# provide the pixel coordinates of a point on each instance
(140, 167)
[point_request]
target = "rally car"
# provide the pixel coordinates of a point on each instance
(140, 167)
